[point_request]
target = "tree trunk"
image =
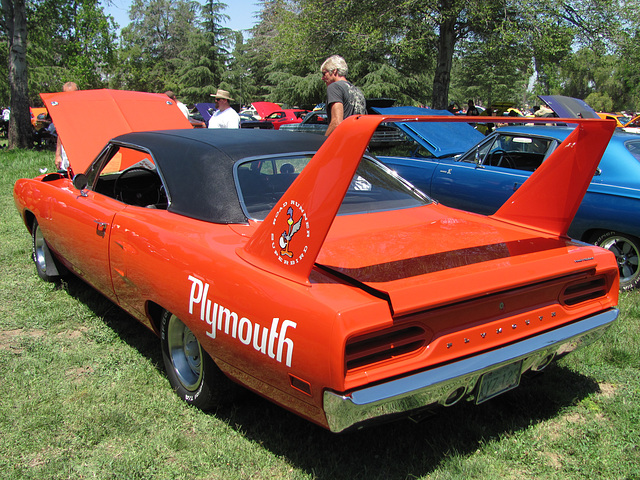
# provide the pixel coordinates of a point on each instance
(543, 79)
(442, 77)
(20, 129)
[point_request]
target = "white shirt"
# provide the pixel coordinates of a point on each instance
(227, 118)
(183, 108)
(6, 113)
(65, 160)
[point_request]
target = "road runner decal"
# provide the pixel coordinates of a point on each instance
(223, 320)
(294, 224)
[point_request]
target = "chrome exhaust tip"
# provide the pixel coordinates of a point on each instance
(454, 397)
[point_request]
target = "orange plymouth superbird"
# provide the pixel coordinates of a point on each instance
(305, 270)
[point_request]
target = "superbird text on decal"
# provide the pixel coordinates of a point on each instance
(271, 341)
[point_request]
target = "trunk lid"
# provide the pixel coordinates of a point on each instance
(439, 255)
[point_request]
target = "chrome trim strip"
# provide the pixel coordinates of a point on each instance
(434, 386)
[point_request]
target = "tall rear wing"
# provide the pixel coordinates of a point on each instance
(288, 241)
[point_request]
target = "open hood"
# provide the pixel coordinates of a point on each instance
(117, 111)
(568, 107)
(442, 139)
(206, 110)
(265, 108)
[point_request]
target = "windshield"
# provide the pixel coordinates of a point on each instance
(373, 188)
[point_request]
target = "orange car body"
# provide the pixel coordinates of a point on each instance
(357, 317)
(39, 118)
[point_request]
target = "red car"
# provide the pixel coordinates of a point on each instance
(283, 117)
(305, 270)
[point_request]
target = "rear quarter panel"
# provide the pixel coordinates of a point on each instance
(191, 268)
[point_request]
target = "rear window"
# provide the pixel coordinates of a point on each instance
(262, 182)
(634, 148)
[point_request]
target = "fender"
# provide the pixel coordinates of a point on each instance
(546, 202)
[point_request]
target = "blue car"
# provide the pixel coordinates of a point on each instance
(478, 174)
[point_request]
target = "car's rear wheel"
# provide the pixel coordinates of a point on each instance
(191, 371)
(46, 266)
(626, 248)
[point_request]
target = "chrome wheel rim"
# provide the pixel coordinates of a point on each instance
(185, 353)
(627, 256)
(39, 246)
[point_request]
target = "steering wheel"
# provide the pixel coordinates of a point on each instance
(138, 186)
(504, 158)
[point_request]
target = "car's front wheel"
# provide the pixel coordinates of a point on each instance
(626, 248)
(191, 371)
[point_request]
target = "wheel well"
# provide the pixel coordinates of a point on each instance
(28, 220)
(590, 236)
(154, 312)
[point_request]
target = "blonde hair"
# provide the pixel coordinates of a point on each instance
(335, 62)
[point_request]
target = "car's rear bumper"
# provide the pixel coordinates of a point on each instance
(450, 383)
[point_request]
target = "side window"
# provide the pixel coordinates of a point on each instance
(318, 119)
(130, 176)
(519, 152)
(479, 152)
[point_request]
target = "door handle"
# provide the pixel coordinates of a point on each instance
(101, 228)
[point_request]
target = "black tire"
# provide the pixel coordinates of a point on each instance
(191, 371)
(626, 248)
(46, 265)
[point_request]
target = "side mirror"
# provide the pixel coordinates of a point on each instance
(80, 182)
(477, 157)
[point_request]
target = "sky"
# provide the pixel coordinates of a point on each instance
(241, 12)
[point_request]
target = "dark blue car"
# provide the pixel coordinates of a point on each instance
(478, 174)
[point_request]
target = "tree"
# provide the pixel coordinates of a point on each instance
(627, 55)
(159, 33)
(77, 45)
(492, 62)
(15, 25)
(201, 66)
(242, 72)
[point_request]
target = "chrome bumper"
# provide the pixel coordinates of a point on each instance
(447, 384)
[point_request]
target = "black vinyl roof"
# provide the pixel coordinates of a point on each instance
(197, 164)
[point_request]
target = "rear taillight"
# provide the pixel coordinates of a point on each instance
(584, 290)
(383, 345)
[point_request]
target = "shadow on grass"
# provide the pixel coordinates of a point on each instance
(397, 450)
(128, 329)
(404, 449)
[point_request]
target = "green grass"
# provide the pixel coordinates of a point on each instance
(83, 395)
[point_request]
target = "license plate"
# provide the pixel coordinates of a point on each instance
(499, 381)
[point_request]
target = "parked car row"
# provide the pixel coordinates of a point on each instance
(317, 122)
(630, 124)
(261, 115)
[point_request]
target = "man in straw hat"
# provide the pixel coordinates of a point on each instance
(225, 116)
